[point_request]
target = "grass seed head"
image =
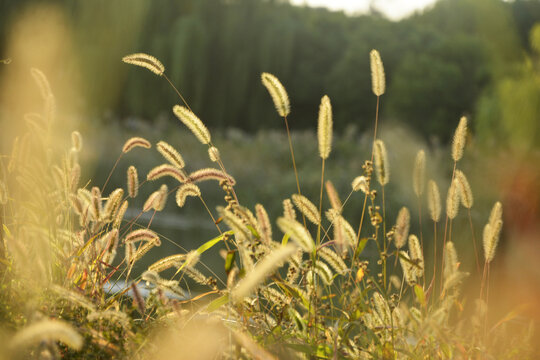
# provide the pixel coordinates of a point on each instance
(419, 173)
(402, 227)
(135, 142)
(465, 192)
(452, 199)
(324, 129)
(297, 233)
(186, 190)
(307, 208)
(434, 201)
(378, 82)
(460, 136)
(193, 123)
(381, 162)
(146, 61)
(132, 181)
(278, 94)
(170, 154)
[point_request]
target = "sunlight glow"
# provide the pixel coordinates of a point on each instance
(394, 9)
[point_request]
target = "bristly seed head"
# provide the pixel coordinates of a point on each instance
(136, 142)
(460, 136)
(378, 82)
(193, 123)
(452, 200)
(307, 208)
(170, 154)
(434, 201)
(213, 154)
(333, 196)
(132, 181)
(402, 227)
(146, 61)
(278, 93)
(166, 170)
(324, 129)
(360, 183)
(419, 173)
(465, 192)
(186, 190)
(381, 162)
(492, 232)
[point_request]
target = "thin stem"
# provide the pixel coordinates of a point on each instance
(320, 205)
(294, 164)
(446, 226)
(177, 92)
(111, 172)
(474, 242)
(420, 224)
(376, 124)
(434, 257)
(384, 239)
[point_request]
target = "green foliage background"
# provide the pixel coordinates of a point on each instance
(457, 57)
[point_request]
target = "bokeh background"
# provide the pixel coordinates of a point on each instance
(479, 58)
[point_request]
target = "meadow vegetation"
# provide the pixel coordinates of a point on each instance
(298, 285)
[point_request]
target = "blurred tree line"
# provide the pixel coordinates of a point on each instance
(457, 57)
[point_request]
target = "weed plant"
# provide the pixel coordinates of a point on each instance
(297, 288)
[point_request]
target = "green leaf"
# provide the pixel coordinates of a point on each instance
(420, 296)
(217, 303)
(210, 243)
(229, 261)
(90, 241)
(6, 230)
(253, 231)
(361, 245)
(285, 239)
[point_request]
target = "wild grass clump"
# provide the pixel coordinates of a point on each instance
(302, 286)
